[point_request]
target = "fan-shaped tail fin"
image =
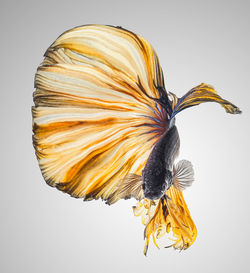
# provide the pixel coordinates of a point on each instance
(98, 111)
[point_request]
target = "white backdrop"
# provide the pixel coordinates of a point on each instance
(44, 230)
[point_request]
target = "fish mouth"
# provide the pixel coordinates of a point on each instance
(156, 193)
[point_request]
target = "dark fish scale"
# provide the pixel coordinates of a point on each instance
(157, 174)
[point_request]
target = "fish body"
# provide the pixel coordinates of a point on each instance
(103, 127)
(157, 175)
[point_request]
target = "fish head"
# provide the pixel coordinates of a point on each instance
(155, 187)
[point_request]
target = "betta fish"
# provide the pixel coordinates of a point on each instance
(104, 127)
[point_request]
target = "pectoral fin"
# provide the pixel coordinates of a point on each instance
(183, 174)
(130, 186)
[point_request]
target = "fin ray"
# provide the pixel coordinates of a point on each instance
(130, 186)
(183, 174)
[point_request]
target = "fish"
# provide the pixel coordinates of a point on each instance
(104, 127)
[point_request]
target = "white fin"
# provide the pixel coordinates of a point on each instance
(130, 186)
(183, 174)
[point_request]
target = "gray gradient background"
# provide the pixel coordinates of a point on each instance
(44, 230)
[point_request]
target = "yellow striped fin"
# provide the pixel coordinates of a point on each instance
(168, 215)
(200, 94)
(94, 119)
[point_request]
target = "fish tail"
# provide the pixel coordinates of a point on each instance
(200, 94)
(167, 216)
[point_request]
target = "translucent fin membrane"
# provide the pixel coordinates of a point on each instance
(167, 216)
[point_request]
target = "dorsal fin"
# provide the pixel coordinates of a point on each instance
(200, 94)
